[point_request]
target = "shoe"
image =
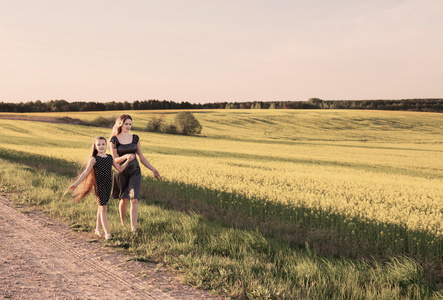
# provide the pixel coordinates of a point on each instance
(98, 232)
(108, 236)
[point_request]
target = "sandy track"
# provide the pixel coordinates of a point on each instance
(42, 259)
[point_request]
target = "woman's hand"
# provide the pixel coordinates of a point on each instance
(156, 174)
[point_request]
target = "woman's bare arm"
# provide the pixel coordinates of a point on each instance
(145, 162)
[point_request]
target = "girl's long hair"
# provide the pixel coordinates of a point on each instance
(89, 184)
(117, 129)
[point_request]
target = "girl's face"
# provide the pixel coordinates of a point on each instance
(100, 145)
(127, 124)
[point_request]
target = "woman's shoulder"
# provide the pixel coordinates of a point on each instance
(114, 140)
(135, 138)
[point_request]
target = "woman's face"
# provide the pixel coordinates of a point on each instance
(127, 124)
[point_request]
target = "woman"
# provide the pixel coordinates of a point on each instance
(127, 183)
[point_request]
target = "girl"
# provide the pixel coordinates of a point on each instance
(100, 181)
(127, 183)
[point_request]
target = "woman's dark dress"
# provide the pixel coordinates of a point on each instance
(103, 177)
(127, 183)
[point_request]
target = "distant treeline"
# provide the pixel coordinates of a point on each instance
(425, 105)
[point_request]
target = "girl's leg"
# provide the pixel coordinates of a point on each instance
(98, 223)
(122, 210)
(134, 214)
(104, 218)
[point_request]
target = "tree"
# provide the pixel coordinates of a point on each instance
(187, 124)
(256, 105)
(155, 123)
(136, 105)
(315, 102)
(126, 105)
(231, 106)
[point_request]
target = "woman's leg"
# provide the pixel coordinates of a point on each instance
(134, 214)
(122, 210)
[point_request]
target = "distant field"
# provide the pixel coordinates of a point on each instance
(298, 125)
(382, 166)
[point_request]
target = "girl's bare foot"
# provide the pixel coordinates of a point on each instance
(98, 232)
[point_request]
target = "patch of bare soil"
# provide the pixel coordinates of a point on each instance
(41, 258)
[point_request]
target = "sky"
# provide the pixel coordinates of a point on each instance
(203, 51)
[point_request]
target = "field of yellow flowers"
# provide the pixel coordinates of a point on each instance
(369, 175)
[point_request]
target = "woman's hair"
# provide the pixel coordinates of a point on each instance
(89, 184)
(117, 129)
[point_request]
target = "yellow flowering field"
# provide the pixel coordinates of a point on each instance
(379, 168)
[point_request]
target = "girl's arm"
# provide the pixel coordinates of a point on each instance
(119, 167)
(145, 162)
(117, 159)
(85, 173)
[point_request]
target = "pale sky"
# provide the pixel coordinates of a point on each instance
(211, 51)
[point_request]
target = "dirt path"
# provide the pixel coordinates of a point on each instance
(42, 259)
